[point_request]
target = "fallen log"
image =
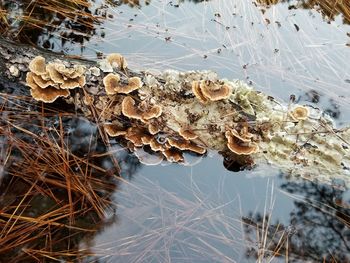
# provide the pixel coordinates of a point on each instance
(165, 114)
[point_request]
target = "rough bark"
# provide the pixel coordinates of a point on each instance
(310, 147)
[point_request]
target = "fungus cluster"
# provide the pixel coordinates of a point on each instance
(169, 146)
(113, 86)
(206, 90)
(241, 143)
(53, 80)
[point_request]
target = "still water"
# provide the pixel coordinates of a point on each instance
(205, 212)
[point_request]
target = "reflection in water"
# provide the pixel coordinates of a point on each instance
(318, 229)
(328, 8)
(47, 23)
(56, 185)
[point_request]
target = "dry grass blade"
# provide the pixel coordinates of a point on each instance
(50, 196)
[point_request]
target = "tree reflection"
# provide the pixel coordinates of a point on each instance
(318, 230)
(57, 182)
(45, 23)
(328, 8)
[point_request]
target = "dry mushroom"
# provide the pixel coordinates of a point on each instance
(47, 82)
(134, 135)
(154, 144)
(173, 155)
(196, 89)
(237, 146)
(37, 65)
(299, 113)
(187, 134)
(214, 91)
(207, 90)
(184, 145)
(49, 94)
(117, 60)
(129, 109)
(114, 130)
(244, 136)
(153, 128)
(112, 84)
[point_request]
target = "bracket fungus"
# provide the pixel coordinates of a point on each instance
(239, 146)
(47, 94)
(207, 90)
(153, 128)
(299, 113)
(51, 81)
(114, 130)
(117, 60)
(37, 65)
(215, 91)
(112, 84)
(185, 145)
(196, 89)
(187, 134)
(129, 109)
(173, 155)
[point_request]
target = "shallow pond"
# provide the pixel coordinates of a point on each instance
(204, 212)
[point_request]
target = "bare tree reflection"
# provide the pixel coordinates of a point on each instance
(318, 230)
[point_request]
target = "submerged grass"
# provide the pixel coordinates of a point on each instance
(50, 24)
(50, 196)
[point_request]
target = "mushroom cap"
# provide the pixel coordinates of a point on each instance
(37, 65)
(42, 83)
(78, 71)
(117, 60)
(187, 134)
(129, 109)
(173, 155)
(186, 145)
(214, 91)
(73, 83)
(153, 128)
(299, 113)
(48, 94)
(111, 82)
(134, 83)
(240, 149)
(54, 74)
(135, 135)
(241, 137)
(153, 112)
(30, 80)
(113, 130)
(196, 89)
(156, 146)
(153, 143)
